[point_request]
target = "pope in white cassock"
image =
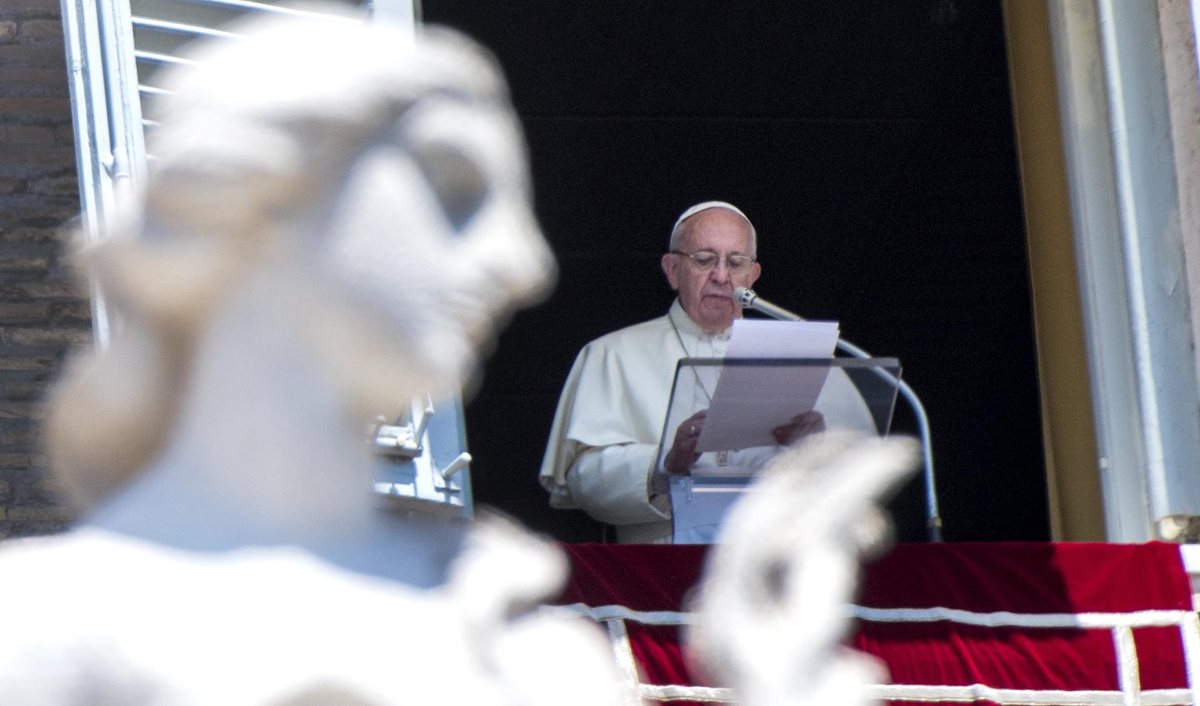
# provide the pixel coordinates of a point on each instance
(604, 441)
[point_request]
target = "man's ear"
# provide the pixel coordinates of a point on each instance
(669, 263)
(755, 273)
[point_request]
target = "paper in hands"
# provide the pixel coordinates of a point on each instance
(750, 401)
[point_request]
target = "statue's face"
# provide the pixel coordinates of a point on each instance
(434, 232)
(393, 172)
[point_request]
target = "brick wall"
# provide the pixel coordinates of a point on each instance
(41, 315)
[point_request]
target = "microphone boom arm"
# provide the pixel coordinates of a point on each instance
(748, 298)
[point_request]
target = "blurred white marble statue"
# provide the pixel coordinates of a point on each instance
(771, 611)
(336, 219)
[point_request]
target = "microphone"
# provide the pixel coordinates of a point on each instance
(747, 298)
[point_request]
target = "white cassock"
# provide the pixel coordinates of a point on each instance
(606, 431)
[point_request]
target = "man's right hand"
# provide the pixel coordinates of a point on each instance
(683, 452)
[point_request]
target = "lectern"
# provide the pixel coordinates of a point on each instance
(745, 399)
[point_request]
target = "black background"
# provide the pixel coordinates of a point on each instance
(871, 143)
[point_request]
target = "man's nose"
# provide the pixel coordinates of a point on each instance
(721, 273)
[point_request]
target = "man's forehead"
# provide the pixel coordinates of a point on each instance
(718, 228)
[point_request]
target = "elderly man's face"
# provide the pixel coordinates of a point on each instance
(707, 296)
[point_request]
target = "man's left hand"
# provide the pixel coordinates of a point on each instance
(801, 425)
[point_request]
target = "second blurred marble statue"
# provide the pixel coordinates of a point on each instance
(771, 612)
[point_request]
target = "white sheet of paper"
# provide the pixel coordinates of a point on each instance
(766, 338)
(749, 402)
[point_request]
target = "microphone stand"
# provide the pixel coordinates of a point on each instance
(748, 298)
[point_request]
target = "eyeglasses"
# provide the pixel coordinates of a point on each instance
(706, 261)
